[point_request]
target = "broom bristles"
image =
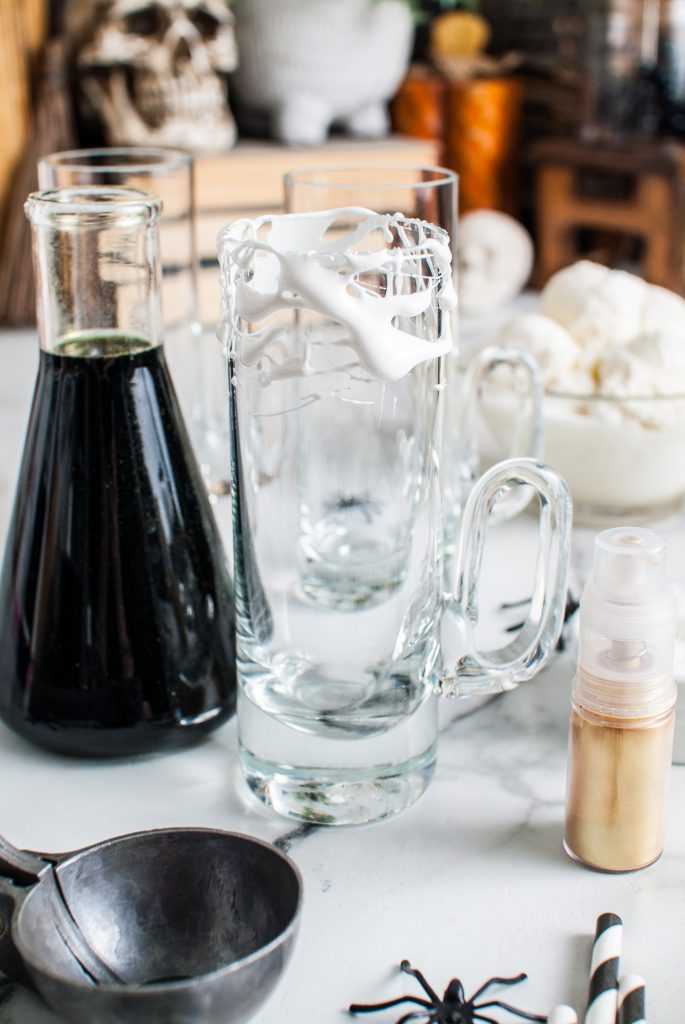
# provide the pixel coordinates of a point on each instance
(51, 130)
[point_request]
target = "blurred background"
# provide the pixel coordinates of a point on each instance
(568, 115)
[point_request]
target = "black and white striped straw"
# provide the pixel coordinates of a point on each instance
(631, 1000)
(606, 953)
(562, 1015)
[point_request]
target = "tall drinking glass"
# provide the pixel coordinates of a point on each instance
(430, 194)
(192, 358)
(337, 327)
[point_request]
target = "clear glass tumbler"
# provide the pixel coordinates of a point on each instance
(192, 357)
(337, 327)
(431, 194)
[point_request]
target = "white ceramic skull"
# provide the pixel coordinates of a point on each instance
(154, 70)
(495, 260)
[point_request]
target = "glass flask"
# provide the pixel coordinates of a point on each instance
(115, 599)
(190, 346)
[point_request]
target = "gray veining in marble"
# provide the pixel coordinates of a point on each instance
(471, 881)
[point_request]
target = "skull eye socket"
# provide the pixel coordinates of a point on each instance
(205, 23)
(150, 21)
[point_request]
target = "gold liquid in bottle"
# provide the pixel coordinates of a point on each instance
(615, 806)
(623, 711)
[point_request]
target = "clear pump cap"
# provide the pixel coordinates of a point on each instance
(629, 564)
(627, 627)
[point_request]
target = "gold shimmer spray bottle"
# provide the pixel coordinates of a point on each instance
(622, 705)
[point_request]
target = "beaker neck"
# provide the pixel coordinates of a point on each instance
(96, 264)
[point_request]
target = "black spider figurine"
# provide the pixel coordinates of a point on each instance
(363, 503)
(453, 1008)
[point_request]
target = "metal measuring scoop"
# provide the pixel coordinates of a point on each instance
(168, 926)
(28, 869)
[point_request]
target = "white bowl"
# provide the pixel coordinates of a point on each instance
(623, 458)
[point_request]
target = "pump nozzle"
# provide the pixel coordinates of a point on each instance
(627, 626)
(629, 564)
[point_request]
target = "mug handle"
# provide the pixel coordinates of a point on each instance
(503, 669)
(527, 435)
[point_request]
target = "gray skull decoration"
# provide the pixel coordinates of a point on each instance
(153, 71)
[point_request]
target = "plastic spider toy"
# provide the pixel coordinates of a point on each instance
(454, 1007)
(364, 504)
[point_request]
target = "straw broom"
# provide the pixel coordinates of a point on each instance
(51, 129)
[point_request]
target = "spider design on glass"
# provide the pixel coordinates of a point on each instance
(363, 503)
(454, 1007)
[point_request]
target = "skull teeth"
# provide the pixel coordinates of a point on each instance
(159, 98)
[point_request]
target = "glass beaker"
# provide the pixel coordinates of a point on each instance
(115, 599)
(430, 194)
(190, 351)
(337, 326)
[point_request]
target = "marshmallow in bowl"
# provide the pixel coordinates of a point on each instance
(611, 350)
(554, 350)
(599, 307)
(602, 331)
(652, 364)
(663, 313)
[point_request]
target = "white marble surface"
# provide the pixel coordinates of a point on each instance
(471, 881)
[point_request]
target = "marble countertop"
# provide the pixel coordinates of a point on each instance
(471, 881)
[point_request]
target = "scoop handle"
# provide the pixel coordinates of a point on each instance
(19, 866)
(19, 872)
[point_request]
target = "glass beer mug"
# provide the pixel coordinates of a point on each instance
(337, 327)
(430, 194)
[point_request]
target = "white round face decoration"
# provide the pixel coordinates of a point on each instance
(153, 71)
(495, 260)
